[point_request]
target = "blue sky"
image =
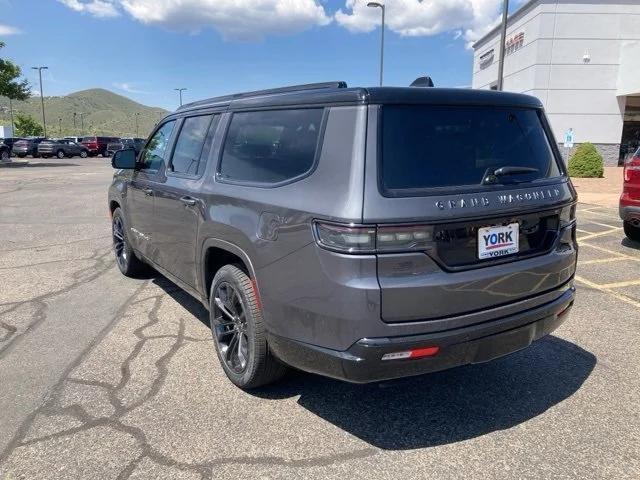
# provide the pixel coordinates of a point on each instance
(145, 48)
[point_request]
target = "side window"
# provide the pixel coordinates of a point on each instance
(154, 155)
(186, 155)
(270, 146)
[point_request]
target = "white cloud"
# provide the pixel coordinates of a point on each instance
(414, 18)
(9, 30)
(97, 8)
(128, 87)
(238, 19)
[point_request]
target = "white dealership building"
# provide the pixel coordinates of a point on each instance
(581, 58)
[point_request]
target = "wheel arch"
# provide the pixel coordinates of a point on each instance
(218, 253)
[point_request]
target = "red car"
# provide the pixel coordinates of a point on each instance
(630, 198)
(98, 145)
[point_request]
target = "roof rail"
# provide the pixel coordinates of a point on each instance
(269, 91)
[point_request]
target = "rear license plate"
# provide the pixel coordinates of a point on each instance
(498, 241)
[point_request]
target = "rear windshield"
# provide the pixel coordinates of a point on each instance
(427, 147)
(89, 139)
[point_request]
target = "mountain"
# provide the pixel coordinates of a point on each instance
(106, 113)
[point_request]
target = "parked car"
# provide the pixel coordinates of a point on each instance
(98, 145)
(359, 233)
(62, 148)
(27, 146)
(135, 143)
(5, 152)
(630, 198)
(9, 141)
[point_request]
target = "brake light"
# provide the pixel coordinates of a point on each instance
(371, 238)
(631, 165)
(414, 353)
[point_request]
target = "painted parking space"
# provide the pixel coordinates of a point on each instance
(608, 261)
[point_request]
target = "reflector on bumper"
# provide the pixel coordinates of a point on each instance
(415, 353)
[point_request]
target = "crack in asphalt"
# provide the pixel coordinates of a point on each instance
(81, 276)
(52, 407)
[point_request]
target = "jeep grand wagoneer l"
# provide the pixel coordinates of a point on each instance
(359, 233)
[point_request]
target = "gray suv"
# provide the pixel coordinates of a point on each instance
(363, 234)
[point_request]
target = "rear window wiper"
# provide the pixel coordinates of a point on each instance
(493, 177)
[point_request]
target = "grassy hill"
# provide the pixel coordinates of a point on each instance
(106, 113)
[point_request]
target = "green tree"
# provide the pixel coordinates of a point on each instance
(586, 162)
(27, 126)
(10, 85)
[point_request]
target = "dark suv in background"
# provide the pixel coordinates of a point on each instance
(27, 146)
(135, 143)
(61, 148)
(360, 233)
(97, 145)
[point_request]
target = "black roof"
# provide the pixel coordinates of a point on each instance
(337, 93)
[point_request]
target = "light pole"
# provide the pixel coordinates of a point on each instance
(44, 122)
(74, 121)
(503, 38)
(381, 6)
(60, 125)
(136, 116)
(180, 90)
(82, 114)
(13, 127)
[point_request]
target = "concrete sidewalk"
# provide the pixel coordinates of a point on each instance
(604, 192)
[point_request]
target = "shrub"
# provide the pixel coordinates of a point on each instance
(586, 161)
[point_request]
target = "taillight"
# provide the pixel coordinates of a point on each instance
(567, 215)
(348, 239)
(631, 165)
(371, 238)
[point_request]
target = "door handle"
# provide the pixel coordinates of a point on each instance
(188, 201)
(147, 191)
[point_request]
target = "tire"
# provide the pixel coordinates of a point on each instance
(633, 233)
(105, 155)
(84, 154)
(128, 263)
(21, 155)
(60, 154)
(231, 299)
(4, 156)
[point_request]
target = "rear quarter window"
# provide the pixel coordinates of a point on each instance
(426, 147)
(271, 147)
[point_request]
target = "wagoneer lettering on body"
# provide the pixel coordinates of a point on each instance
(360, 233)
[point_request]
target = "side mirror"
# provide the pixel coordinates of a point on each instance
(124, 159)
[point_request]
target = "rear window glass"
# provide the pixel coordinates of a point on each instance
(271, 146)
(88, 139)
(438, 146)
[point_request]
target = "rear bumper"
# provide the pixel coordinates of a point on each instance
(629, 212)
(362, 362)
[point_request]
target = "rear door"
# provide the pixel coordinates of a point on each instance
(482, 198)
(179, 209)
(142, 188)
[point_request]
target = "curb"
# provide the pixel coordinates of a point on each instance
(16, 164)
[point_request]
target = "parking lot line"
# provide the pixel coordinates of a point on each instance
(613, 293)
(618, 254)
(628, 283)
(600, 260)
(600, 234)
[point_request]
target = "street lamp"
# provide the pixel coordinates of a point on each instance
(136, 117)
(44, 122)
(180, 90)
(60, 125)
(82, 114)
(74, 122)
(381, 6)
(503, 37)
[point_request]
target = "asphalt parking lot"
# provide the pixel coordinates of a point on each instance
(107, 377)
